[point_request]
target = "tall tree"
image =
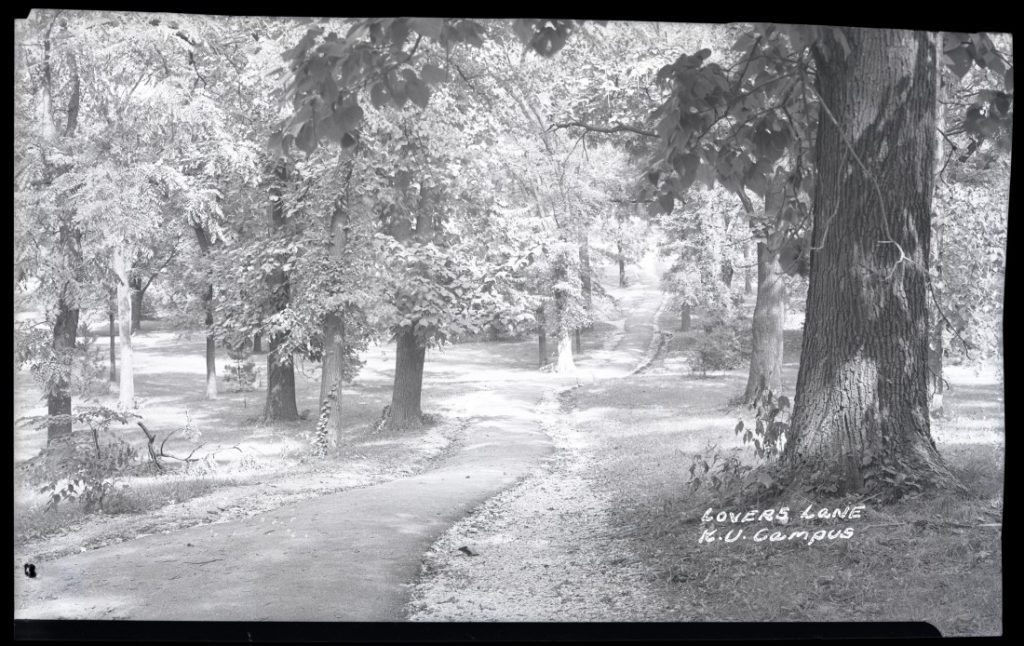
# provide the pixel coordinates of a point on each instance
(866, 334)
(280, 404)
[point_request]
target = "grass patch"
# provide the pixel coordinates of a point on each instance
(37, 522)
(936, 559)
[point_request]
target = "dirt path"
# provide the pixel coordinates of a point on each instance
(541, 548)
(345, 556)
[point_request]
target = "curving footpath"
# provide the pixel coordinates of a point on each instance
(345, 556)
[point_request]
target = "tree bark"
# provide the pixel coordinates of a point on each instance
(137, 293)
(542, 337)
(747, 278)
(622, 265)
(586, 278)
(211, 343)
(565, 363)
(280, 367)
(126, 396)
(257, 343)
(410, 352)
(65, 333)
(935, 343)
(65, 327)
(280, 384)
(860, 420)
(684, 317)
(333, 367)
(113, 334)
(410, 356)
(769, 319)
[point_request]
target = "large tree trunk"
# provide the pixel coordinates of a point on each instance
(211, 343)
(410, 353)
(333, 367)
(280, 383)
(280, 367)
(410, 356)
(769, 319)
(126, 396)
(861, 411)
(935, 345)
(137, 293)
(65, 327)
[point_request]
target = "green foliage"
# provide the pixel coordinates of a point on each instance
(376, 59)
(771, 423)
(721, 345)
(86, 471)
(727, 480)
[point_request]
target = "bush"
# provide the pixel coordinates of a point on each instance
(80, 467)
(722, 346)
(242, 373)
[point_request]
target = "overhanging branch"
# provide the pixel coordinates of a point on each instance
(608, 130)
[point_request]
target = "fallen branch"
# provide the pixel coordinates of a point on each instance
(156, 454)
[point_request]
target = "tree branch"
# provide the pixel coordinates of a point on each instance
(618, 127)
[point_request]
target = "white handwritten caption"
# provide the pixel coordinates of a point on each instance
(782, 517)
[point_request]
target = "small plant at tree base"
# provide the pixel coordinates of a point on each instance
(726, 478)
(771, 422)
(89, 473)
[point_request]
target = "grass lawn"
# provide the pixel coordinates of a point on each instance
(934, 559)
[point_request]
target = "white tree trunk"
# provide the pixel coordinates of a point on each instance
(565, 364)
(124, 325)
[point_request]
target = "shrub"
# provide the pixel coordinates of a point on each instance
(721, 346)
(80, 467)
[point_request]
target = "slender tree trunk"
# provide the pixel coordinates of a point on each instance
(126, 397)
(333, 368)
(211, 343)
(622, 266)
(684, 317)
(577, 341)
(113, 334)
(137, 292)
(861, 411)
(280, 367)
(768, 324)
(747, 274)
(542, 337)
(565, 362)
(935, 344)
(257, 343)
(586, 277)
(65, 333)
(211, 346)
